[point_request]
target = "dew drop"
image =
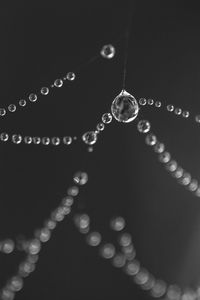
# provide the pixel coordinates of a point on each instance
(124, 107)
(89, 137)
(108, 51)
(81, 178)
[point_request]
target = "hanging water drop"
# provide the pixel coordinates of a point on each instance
(124, 108)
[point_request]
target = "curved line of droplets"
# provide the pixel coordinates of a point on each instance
(123, 254)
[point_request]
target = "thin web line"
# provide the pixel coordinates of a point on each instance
(127, 38)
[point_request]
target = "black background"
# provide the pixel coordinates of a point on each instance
(41, 41)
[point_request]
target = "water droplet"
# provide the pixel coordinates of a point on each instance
(164, 157)
(70, 76)
(178, 173)
(12, 107)
(143, 126)
(15, 284)
(100, 126)
(158, 104)
(193, 185)
(129, 252)
(32, 97)
(150, 139)
(34, 246)
(149, 284)
(150, 101)
(173, 292)
(82, 221)
(185, 114)
(142, 101)
(170, 107)
(67, 140)
(185, 179)
(58, 83)
(43, 234)
(107, 251)
(68, 201)
(119, 260)
(7, 294)
(178, 111)
(44, 90)
(73, 191)
(25, 268)
(158, 289)
(50, 224)
(141, 277)
(4, 137)
(36, 140)
(45, 140)
(106, 118)
(197, 118)
(28, 139)
(22, 102)
(7, 246)
(2, 112)
(89, 137)
(171, 165)
(124, 107)
(117, 223)
(58, 214)
(132, 267)
(125, 239)
(93, 239)
(108, 51)
(16, 138)
(55, 141)
(90, 149)
(159, 147)
(81, 178)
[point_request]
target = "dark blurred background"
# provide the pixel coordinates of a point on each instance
(42, 41)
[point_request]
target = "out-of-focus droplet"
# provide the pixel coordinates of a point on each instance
(82, 221)
(124, 107)
(173, 292)
(7, 246)
(170, 107)
(81, 178)
(55, 141)
(16, 138)
(67, 140)
(164, 157)
(32, 97)
(68, 201)
(119, 260)
(34, 246)
(185, 179)
(51, 224)
(159, 289)
(143, 126)
(150, 139)
(7, 294)
(44, 90)
(141, 277)
(4, 137)
(158, 104)
(73, 191)
(148, 285)
(107, 251)
(142, 101)
(117, 223)
(159, 147)
(178, 173)
(178, 111)
(12, 107)
(100, 126)
(125, 239)
(89, 138)
(28, 140)
(185, 114)
(197, 118)
(15, 283)
(36, 140)
(43, 234)
(129, 252)
(93, 238)
(45, 140)
(106, 118)
(150, 101)
(70, 76)
(108, 51)
(22, 102)
(193, 185)
(171, 165)
(58, 83)
(132, 267)
(25, 268)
